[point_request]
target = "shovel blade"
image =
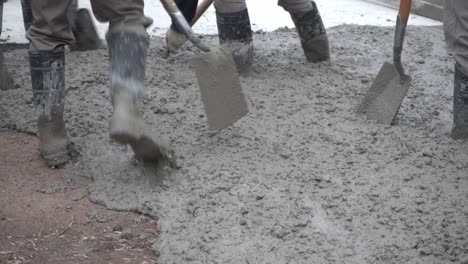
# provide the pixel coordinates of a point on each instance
(384, 98)
(220, 88)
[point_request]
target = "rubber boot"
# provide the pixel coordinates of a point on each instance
(6, 82)
(234, 30)
(460, 104)
(127, 54)
(48, 84)
(314, 40)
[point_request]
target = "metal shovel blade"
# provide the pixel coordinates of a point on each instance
(385, 96)
(220, 88)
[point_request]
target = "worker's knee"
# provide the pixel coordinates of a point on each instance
(229, 6)
(122, 15)
(296, 6)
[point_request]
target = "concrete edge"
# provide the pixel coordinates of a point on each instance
(6, 46)
(433, 9)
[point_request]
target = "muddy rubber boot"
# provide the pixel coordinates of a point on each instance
(314, 40)
(460, 104)
(127, 55)
(234, 31)
(48, 84)
(6, 82)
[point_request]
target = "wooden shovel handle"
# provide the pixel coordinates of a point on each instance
(201, 10)
(404, 12)
(1, 16)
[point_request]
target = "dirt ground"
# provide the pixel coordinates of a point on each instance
(46, 215)
(302, 178)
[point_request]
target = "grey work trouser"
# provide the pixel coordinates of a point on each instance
(456, 31)
(28, 17)
(51, 28)
(292, 6)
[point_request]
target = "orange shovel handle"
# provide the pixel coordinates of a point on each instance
(404, 12)
(200, 10)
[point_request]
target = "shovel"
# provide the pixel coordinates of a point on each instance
(201, 10)
(216, 73)
(386, 94)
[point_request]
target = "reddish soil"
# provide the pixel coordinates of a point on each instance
(47, 217)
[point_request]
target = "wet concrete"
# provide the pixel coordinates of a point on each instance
(302, 178)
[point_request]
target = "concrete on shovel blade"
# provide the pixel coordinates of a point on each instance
(220, 88)
(385, 96)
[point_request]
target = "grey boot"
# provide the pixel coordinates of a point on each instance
(127, 55)
(48, 84)
(234, 30)
(460, 104)
(6, 82)
(312, 33)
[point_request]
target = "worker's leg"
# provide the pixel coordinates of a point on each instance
(234, 29)
(456, 36)
(122, 15)
(128, 42)
(6, 82)
(48, 34)
(50, 30)
(27, 13)
(310, 28)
